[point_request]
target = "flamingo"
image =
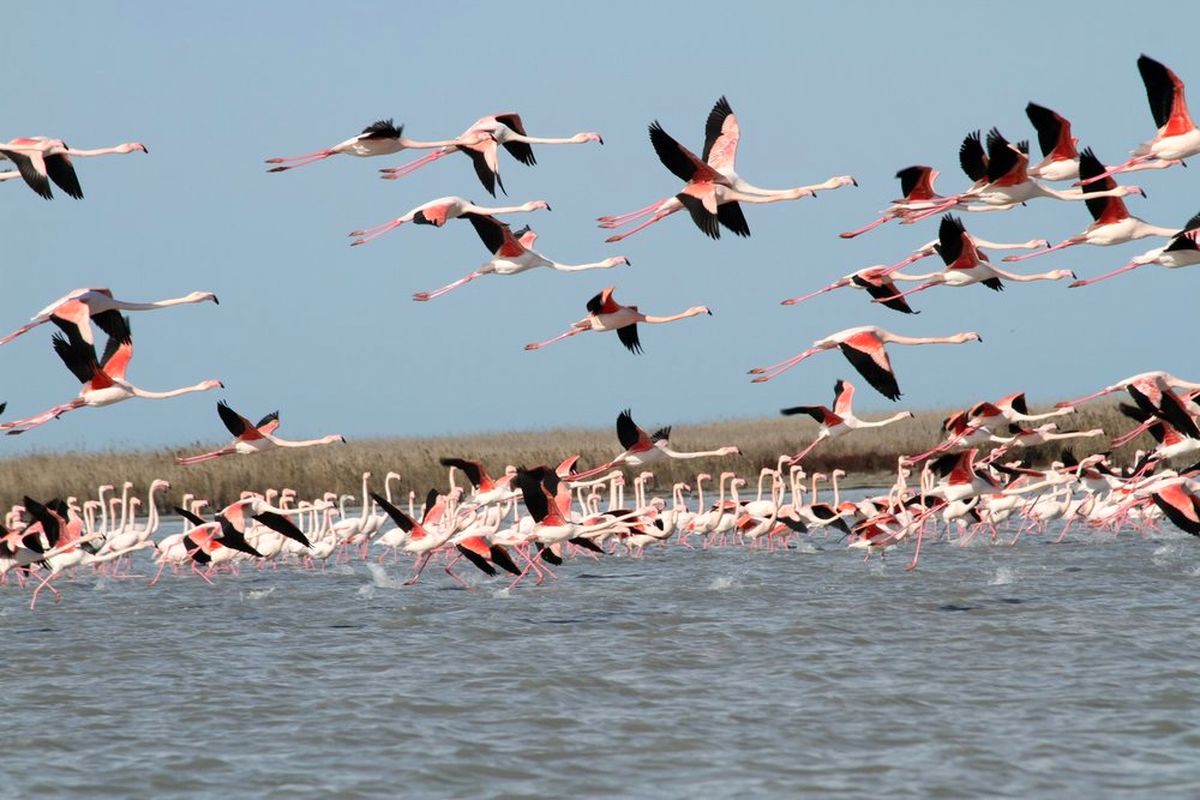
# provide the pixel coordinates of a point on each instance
(1144, 381)
(512, 254)
(78, 306)
(1011, 408)
(965, 265)
(252, 438)
(438, 212)
(1061, 159)
(486, 489)
(642, 448)
(380, 138)
(606, 314)
(864, 349)
(1181, 251)
(480, 143)
(1112, 222)
(878, 282)
(840, 420)
(103, 381)
(916, 186)
(1002, 182)
(40, 160)
(1177, 137)
(713, 189)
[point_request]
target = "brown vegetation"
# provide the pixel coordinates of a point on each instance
(868, 456)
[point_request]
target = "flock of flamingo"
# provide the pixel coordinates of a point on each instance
(574, 512)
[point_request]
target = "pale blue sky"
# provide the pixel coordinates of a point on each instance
(328, 334)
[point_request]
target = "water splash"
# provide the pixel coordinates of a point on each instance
(722, 583)
(1003, 577)
(381, 579)
(257, 594)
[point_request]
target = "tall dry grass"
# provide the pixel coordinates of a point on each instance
(868, 456)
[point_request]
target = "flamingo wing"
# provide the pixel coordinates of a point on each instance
(721, 136)
(629, 337)
(705, 220)
(268, 424)
(382, 129)
(62, 172)
(884, 290)
(950, 239)
(78, 356)
(1054, 131)
(971, 156)
(521, 151)
(866, 353)
(235, 423)
(629, 434)
(730, 215)
(496, 236)
(1161, 86)
(1004, 161)
(118, 351)
(33, 170)
(843, 398)
(916, 182)
(603, 303)
(474, 471)
(682, 162)
(1104, 210)
(476, 550)
(485, 166)
(283, 526)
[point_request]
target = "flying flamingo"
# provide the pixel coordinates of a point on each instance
(1112, 222)
(252, 438)
(487, 490)
(606, 314)
(40, 160)
(103, 381)
(437, 212)
(839, 420)
(99, 305)
(642, 448)
(965, 264)
(916, 186)
(1002, 182)
(512, 254)
(1177, 137)
(480, 143)
(380, 138)
(713, 189)
(1181, 251)
(864, 349)
(1145, 381)
(1061, 159)
(1011, 408)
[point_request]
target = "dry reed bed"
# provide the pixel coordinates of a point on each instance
(868, 456)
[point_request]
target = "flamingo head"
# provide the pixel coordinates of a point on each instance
(534, 205)
(588, 136)
(129, 147)
(203, 297)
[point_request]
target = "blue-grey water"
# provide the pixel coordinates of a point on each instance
(1041, 670)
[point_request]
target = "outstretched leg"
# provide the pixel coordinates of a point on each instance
(19, 331)
(1132, 265)
(775, 370)
(301, 161)
(422, 297)
(367, 234)
(870, 226)
(559, 338)
(392, 173)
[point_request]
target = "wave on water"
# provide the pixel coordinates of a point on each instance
(722, 583)
(257, 594)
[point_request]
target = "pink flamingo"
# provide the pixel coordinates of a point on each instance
(512, 254)
(103, 381)
(1060, 160)
(380, 138)
(713, 187)
(839, 420)
(438, 212)
(1144, 381)
(481, 144)
(642, 448)
(606, 314)
(1177, 137)
(916, 186)
(252, 438)
(1180, 251)
(1112, 222)
(98, 305)
(864, 348)
(40, 160)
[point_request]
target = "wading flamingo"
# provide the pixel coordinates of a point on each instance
(606, 314)
(512, 254)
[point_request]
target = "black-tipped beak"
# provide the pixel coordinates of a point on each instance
(216, 300)
(1142, 192)
(855, 182)
(980, 340)
(708, 311)
(145, 149)
(221, 384)
(601, 138)
(548, 207)
(628, 263)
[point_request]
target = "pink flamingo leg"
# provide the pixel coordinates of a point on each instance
(870, 226)
(559, 338)
(29, 423)
(421, 564)
(656, 218)
(368, 234)
(945, 205)
(917, 550)
(775, 370)
(393, 173)
(422, 297)
(1132, 265)
(1117, 170)
(799, 456)
(1063, 245)
(301, 161)
(201, 458)
(19, 331)
(791, 301)
(620, 219)
(911, 259)
(302, 157)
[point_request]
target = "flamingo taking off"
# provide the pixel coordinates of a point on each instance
(1177, 137)
(481, 143)
(99, 305)
(1181, 251)
(251, 438)
(642, 448)
(380, 138)
(864, 348)
(839, 420)
(438, 212)
(713, 189)
(103, 380)
(512, 254)
(606, 314)
(40, 160)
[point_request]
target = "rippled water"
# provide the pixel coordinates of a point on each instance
(1044, 669)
